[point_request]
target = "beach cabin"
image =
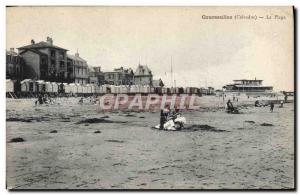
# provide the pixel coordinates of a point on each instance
(105, 89)
(61, 88)
(102, 89)
(112, 89)
(179, 90)
(117, 89)
(187, 90)
(168, 90)
(88, 88)
(79, 88)
(28, 85)
(9, 86)
(54, 87)
(137, 89)
(146, 89)
(132, 89)
(73, 88)
(158, 90)
(98, 89)
(67, 88)
(93, 88)
(48, 87)
(84, 89)
(122, 89)
(152, 90)
(40, 86)
(172, 90)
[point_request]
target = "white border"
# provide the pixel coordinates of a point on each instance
(4, 3)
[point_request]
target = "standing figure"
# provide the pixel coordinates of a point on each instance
(271, 106)
(162, 119)
(281, 104)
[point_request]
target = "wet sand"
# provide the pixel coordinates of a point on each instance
(59, 152)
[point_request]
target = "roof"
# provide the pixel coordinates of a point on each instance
(157, 83)
(75, 57)
(26, 80)
(252, 86)
(246, 86)
(34, 51)
(41, 44)
(121, 70)
(142, 70)
(247, 80)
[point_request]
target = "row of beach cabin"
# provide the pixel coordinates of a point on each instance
(40, 86)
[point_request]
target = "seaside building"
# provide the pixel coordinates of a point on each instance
(77, 69)
(45, 61)
(120, 76)
(158, 83)
(143, 75)
(15, 65)
(246, 85)
(96, 76)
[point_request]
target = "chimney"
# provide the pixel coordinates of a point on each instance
(32, 42)
(97, 69)
(49, 40)
(77, 54)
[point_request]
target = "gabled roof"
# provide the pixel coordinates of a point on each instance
(142, 70)
(34, 51)
(74, 57)
(41, 44)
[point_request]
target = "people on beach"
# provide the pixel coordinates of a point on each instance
(271, 106)
(285, 98)
(166, 112)
(162, 119)
(81, 100)
(258, 104)
(39, 100)
(281, 104)
(230, 106)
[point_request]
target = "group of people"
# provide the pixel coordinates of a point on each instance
(166, 114)
(92, 99)
(43, 99)
(258, 104)
(231, 108)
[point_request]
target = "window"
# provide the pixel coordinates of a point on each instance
(52, 62)
(62, 54)
(44, 60)
(62, 64)
(52, 53)
(10, 70)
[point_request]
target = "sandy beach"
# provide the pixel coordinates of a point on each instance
(251, 150)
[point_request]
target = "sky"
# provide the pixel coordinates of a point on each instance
(203, 52)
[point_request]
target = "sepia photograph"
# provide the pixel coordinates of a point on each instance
(150, 98)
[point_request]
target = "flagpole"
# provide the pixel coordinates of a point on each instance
(171, 73)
